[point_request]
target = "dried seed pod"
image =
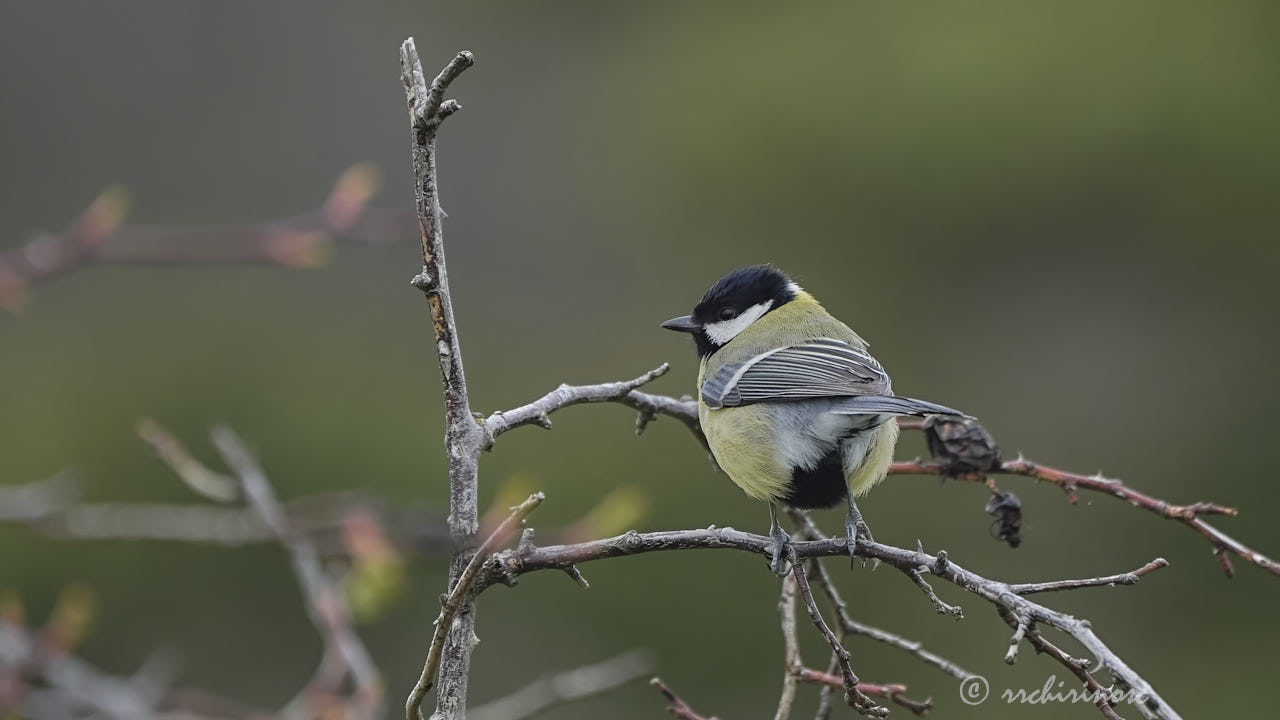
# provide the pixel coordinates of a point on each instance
(1006, 508)
(961, 446)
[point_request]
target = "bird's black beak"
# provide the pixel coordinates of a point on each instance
(684, 323)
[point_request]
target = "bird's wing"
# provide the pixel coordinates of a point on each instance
(822, 368)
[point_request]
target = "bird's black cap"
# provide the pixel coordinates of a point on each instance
(730, 296)
(743, 288)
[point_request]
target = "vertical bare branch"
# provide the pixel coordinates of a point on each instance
(463, 435)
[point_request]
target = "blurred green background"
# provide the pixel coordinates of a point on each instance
(1061, 219)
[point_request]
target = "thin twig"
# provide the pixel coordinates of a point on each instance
(460, 594)
(1015, 642)
(942, 607)
(1129, 578)
(677, 707)
(853, 697)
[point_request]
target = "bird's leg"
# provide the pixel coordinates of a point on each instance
(855, 527)
(780, 542)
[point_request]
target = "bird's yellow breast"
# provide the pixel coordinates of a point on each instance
(741, 438)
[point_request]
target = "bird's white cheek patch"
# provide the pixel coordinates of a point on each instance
(725, 330)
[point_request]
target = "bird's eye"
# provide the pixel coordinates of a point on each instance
(728, 313)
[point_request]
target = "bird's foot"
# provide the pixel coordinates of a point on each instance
(781, 549)
(856, 531)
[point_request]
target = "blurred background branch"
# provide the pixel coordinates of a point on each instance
(40, 678)
(100, 236)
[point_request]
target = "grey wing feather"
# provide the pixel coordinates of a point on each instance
(821, 368)
(890, 405)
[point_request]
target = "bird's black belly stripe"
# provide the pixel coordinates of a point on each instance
(820, 487)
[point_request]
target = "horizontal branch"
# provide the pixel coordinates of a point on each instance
(507, 566)
(539, 411)
(1189, 515)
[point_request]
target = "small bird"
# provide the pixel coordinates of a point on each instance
(795, 409)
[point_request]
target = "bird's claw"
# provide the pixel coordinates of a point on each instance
(781, 548)
(856, 531)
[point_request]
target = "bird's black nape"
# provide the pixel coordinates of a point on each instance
(735, 293)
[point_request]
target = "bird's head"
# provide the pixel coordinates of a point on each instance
(732, 304)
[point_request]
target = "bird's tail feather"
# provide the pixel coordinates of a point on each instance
(890, 405)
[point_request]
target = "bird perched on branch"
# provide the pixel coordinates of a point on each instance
(794, 407)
